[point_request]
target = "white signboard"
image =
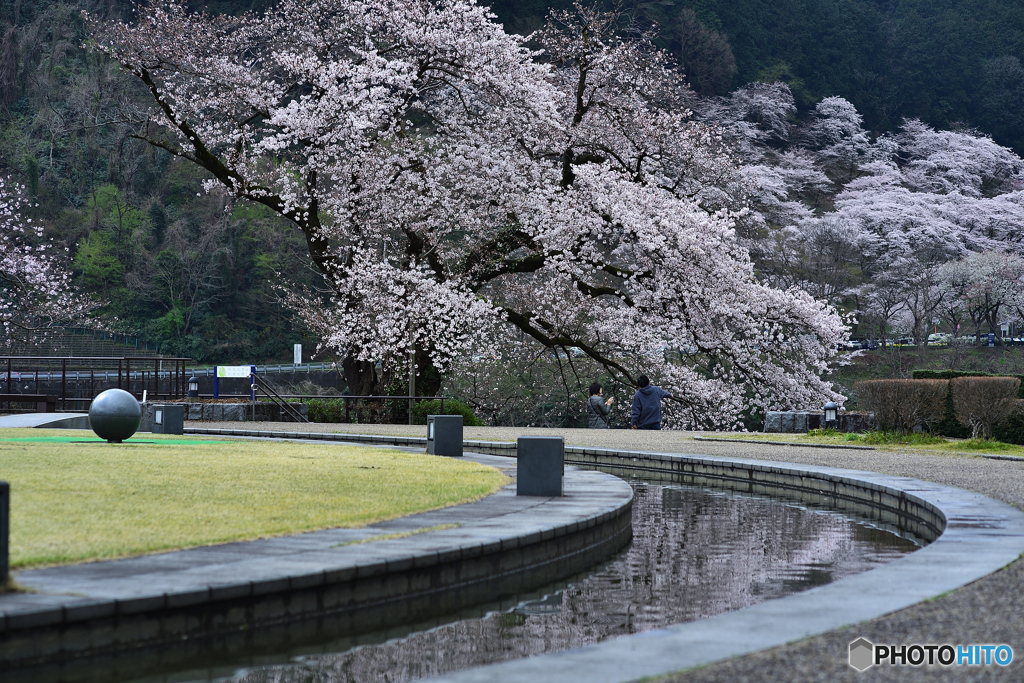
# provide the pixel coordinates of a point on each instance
(297, 355)
(233, 370)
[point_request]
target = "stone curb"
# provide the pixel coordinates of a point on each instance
(976, 536)
(501, 544)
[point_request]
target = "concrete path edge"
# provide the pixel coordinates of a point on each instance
(974, 536)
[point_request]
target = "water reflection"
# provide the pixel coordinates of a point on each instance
(695, 553)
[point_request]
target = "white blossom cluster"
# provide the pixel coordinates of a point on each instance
(35, 288)
(452, 182)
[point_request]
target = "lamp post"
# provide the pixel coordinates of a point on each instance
(193, 387)
(831, 415)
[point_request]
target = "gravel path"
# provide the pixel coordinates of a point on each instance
(989, 611)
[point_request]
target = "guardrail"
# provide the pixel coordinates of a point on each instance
(166, 380)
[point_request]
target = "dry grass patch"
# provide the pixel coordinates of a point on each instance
(76, 498)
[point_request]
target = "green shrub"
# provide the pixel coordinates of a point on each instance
(911, 439)
(451, 407)
(1011, 430)
(826, 432)
(326, 410)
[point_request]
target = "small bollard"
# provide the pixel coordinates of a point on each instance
(5, 530)
(540, 465)
(444, 435)
(169, 419)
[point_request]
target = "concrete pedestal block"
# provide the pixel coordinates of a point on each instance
(540, 465)
(5, 529)
(444, 435)
(169, 418)
(773, 422)
(788, 422)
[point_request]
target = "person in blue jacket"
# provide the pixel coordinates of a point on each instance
(647, 405)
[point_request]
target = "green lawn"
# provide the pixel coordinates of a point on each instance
(76, 498)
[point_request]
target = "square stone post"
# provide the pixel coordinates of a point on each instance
(540, 465)
(444, 435)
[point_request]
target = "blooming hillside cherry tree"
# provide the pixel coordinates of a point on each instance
(450, 183)
(35, 288)
(985, 287)
(899, 207)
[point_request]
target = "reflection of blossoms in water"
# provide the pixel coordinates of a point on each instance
(694, 554)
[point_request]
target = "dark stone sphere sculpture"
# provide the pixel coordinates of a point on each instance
(115, 415)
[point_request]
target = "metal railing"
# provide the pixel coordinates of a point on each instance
(268, 391)
(274, 368)
(82, 378)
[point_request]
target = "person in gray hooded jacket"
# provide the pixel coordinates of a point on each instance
(646, 412)
(598, 409)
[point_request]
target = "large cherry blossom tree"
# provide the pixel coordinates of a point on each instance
(451, 183)
(35, 287)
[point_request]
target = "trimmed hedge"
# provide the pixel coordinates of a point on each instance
(1010, 431)
(903, 405)
(982, 402)
(953, 374)
(452, 406)
(333, 410)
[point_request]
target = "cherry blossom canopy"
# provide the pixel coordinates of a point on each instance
(450, 182)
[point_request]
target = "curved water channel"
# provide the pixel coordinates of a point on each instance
(696, 552)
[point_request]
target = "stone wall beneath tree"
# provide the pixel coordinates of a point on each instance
(800, 422)
(230, 412)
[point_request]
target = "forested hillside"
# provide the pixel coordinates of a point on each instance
(176, 264)
(169, 262)
(946, 62)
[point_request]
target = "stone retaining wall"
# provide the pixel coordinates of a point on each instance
(230, 412)
(801, 422)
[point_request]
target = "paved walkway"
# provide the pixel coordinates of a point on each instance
(50, 420)
(988, 611)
